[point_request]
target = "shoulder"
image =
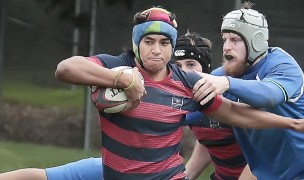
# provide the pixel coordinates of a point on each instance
(279, 60)
(110, 61)
(187, 78)
(277, 56)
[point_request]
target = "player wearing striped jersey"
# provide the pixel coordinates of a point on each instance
(192, 52)
(264, 77)
(143, 142)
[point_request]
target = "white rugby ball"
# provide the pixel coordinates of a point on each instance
(111, 100)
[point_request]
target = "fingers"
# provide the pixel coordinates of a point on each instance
(135, 103)
(209, 86)
(208, 98)
(132, 105)
(198, 84)
(128, 107)
(135, 94)
(140, 78)
(145, 92)
(205, 93)
(201, 89)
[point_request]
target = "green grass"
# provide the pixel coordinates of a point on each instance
(38, 96)
(20, 155)
(206, 174)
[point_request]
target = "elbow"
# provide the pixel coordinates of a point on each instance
(62, 69)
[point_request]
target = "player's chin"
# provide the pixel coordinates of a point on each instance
(156, 67)
(230, 64)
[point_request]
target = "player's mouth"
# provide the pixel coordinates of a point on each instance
(156, 59)
(228, 57)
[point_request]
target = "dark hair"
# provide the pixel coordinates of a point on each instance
(193, 46)
(246, 5)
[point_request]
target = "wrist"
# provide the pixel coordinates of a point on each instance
(131, 85)
(213, 105)
(117, 77)
(294, 124)
(124, 81)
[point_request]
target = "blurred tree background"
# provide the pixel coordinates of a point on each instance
(39, 33)
(35, 35)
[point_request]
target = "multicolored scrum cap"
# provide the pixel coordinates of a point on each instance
(193, 46)
(153, 21)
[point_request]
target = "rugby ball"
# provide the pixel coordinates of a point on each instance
(111, 100)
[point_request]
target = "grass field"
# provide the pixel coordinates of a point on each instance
(25, 93)
(19, 155)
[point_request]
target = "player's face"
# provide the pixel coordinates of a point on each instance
(189, 65)
(155, 52)
(234, 54)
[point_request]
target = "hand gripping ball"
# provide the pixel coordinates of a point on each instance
(111, 100)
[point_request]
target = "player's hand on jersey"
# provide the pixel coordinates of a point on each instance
(135, 91)
(208, 87)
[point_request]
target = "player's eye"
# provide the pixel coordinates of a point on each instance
(165, 43)
(191, 65)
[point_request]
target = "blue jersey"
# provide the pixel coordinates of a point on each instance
(274, 84)
(144, 143)
(84, 169)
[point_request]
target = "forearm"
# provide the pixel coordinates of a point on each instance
(268, 93)
(78, 70)
(199, 160)
(245, 116)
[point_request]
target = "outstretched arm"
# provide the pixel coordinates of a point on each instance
(199, 160)
(209, 86)
(81, 71)
(245, 116)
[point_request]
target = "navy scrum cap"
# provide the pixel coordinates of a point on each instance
(189, 48)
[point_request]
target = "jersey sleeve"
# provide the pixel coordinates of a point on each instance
(256, 93)
(109, 61)
(279, 80)
(218, 71)
(84, 169)
(288, 77)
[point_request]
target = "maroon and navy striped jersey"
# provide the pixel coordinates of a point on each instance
(222, 146)
(144, 143)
